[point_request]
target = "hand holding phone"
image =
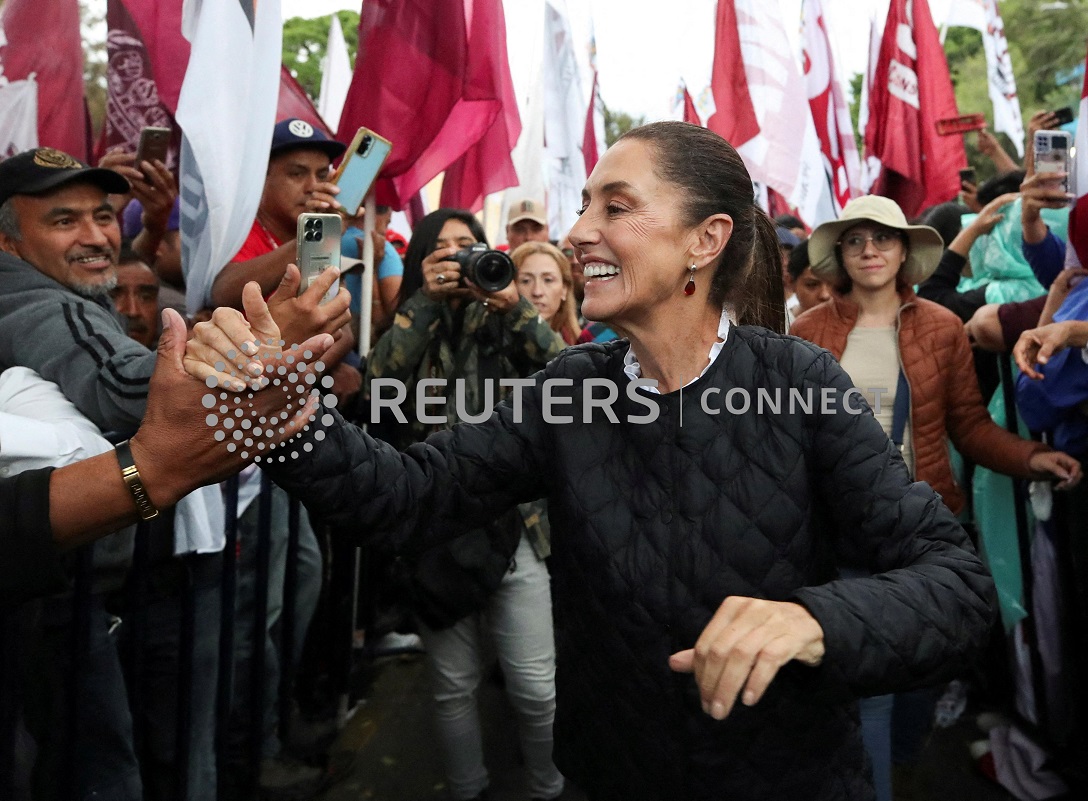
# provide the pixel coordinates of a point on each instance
(1052, 155)
(1062, 116)
(359, 168)
(317, 249)
(154, 145)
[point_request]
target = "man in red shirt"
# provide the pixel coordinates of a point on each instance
(297, 181)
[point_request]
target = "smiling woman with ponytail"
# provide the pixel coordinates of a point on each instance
(706, 537)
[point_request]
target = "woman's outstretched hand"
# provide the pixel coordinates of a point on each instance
(744, 646)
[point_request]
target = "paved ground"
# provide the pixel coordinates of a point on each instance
(397, 758)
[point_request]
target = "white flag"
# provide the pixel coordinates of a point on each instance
(18, 116)
(564, 122)
(983, 16)
(335, 76)
(785, 154)
(227, 110)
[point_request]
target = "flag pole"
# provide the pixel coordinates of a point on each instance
(367, 297)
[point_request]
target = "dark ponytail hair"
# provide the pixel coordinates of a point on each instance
(424, 235)
(714, 180)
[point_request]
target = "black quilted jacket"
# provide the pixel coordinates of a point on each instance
(654, 525)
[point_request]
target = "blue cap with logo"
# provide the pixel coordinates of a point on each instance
(296, 134)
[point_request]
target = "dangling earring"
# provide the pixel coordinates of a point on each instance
(689, 288)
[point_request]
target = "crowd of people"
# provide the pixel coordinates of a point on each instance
(692, 605)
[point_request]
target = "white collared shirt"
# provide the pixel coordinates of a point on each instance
(633, 369)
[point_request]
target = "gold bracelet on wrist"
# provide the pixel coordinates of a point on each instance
(131, 476)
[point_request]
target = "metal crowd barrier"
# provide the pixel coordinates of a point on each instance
(341, 593)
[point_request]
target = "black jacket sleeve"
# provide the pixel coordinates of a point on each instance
(941, 288)
(434, 491)
(929, 604)
(29, 567)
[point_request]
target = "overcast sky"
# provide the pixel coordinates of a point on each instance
(644, 47)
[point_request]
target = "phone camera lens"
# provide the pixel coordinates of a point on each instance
(365, 145)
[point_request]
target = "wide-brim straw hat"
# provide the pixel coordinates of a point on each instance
(926, 245)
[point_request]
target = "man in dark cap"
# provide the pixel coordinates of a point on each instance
(296, 182)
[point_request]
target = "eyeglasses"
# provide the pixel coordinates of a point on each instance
(854, 245)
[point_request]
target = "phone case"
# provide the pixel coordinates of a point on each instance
(360, 167)
(1053, 154)
(317, 241)
(154, 145)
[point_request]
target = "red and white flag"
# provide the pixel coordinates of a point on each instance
(830, 111)
(684, 107)
(434, 79)
(911, 90)
(593, 142)
(41, 73)
(762, 107)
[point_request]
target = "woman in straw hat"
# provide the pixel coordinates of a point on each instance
(911, 360)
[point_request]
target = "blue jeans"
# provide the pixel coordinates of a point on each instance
(876, 733)
(520, 619)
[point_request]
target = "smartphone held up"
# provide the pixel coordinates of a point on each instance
(359, 168)
(318, 249)
(1054, 154)
(154, 145)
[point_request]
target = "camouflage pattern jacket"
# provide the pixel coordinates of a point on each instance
(480, 347)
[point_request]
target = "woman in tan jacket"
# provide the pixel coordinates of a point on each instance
(897, 346)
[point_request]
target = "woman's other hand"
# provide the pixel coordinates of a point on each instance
(743, 647)
(502, 301)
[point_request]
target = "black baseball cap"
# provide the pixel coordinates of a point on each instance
(296, 134)
(34, 172)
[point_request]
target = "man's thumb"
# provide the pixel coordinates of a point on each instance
(288, 287)
(172, 341)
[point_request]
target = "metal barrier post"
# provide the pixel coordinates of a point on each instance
(260, 622)
(226, 627)
(287, 618)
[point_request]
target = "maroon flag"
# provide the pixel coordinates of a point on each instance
(486, 166)
(589, 140)
(911, 90)
(159, 26)
(735, 118)
(294, 102)
(418, 83)
(133, 101)
(40, 45)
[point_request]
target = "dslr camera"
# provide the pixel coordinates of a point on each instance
(490, 270)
